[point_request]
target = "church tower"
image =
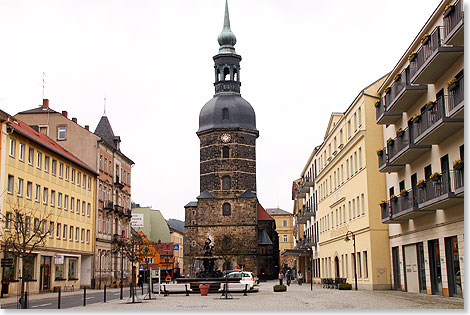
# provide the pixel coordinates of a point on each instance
(226, 209)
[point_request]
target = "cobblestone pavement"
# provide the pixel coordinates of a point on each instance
(296, 298)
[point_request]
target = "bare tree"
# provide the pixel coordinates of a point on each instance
(25, 232)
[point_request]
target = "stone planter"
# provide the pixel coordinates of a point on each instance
(279, 288)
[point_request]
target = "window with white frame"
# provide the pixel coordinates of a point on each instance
(83, 207)
(83, 235)
(285, 238)
(64, 234)
(61, 133)
(12, 147)
(89, 183)
(11, 184)
(30, 156)
(84, 181)
(79, 178)
(52, 198)
(66, 202)
(21, 152)
(77, 234)
(37, 196)
(363, 205)
(88, 236)
(38, 160)
(54, 167)
(71, 233)
(77, 210)
(46, 163)
(58, 230)
(88, 209)
(59, 200)
(61, 169)
(72, 204)
(51, 229)
(67, 170)
(19, 190)
(29, 190)
(45, 195)
(366, 265)
(73, 176)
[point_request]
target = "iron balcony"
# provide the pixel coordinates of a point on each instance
(401, 208)
(456, 98)
(459, 181)
(382, 117)
(403, 150)
(384, 165)
(438, 193)
(453, 25)
(432, 59)
(402, 94)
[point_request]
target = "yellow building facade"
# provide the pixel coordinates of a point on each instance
(348, 188)
(285, 231)
(421, 111)
(49, 187)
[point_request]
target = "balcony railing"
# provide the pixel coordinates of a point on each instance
(438, 193)
(402, 150)
(109, 205)
(401, 208)
(453, 24)
(459, 180)
(384, 165)
(456, 98)
(385, 211)
(432, 59)
(433, 125)
(382, 117)
(402, 94)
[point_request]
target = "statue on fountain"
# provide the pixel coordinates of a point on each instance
(208, 261)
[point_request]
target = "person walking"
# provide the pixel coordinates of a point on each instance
(288, 278)
(281, 277)
(300, 278)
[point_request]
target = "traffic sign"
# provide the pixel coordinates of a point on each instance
(176, 246)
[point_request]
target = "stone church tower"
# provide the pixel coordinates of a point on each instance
(226, 210)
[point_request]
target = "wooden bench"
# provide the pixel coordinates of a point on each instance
(168, 288)
(235, 287)
(68, 288)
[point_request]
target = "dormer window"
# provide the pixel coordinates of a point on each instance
(225, 114)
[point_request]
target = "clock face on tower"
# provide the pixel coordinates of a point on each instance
(225, 138)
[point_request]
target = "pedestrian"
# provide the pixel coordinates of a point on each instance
(300, 278)
(288, 278)
(281, 277)
(168, 278)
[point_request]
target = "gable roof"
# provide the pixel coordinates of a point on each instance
(332, 123)
(25, 130)
(262, 214)
(277, 211)
(39, 110)
(247, 194)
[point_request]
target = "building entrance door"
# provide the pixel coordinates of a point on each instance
(453, 266)
(396, 269)
(337, 275)
(421, 267)
(411, 268)
(435, 266)
(45, 274)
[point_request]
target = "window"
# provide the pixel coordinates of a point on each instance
(350, 211)
(360, 158)
(226, 183)
(59, 200)
(225, 114)
(72, 268)
(28, 267)
(88, 209)
(45, 195)
(37, 196)
(84, 181)
(52, 198)
(11, 184)
(64, 234)
(99, 223)
(29, 190)
(285, 238)
(349, 129)
(46, 163)
(101, 162)
(77, 210)
(110, 167)
(363, 205)
(61, 170)
(21, 152)
(38, 160)
(359, 265)
(66, 202)
(73, 176)
(359, 114)
(83, 207)
(105, 165)
(354, 208)
(225, 152)
(88, 236)
(59, 270)
(54, 167)
(51, 229)
(355, 162)
(67, 169)
(89, 183)
(83, 235)
(61, 133)
(226, 210)
(355, 122)
(30, 156)
(27, 225)
(72, 204)
(8, 221)
(366, 266)
(79, 177)
(44, 130)
(12, 147)
(77, 232)
(59, 226)
(284, 223)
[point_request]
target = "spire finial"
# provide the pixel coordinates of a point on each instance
(104, 112)
(226, 38)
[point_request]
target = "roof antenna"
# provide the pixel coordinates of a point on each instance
(43, 83)
(104, 113)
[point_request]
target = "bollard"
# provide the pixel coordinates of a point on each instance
(26, 300)
(104, 294)
(142, 288)
(84, 296)
(58, 301)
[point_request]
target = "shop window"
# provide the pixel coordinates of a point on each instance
(59, 267)
(72, 269)
(28, 267)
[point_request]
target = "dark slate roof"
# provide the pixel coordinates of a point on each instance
(191, 204)
(38, 110)
(175, 224)
(105, 131)
(277, 211)
(247, 194)
(241, 114)
(205, 195)
(263, 238)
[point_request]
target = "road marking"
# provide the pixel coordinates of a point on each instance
(47, 304)
(90, 297)
(116, 293)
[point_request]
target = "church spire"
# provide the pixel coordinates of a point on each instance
(226, 38)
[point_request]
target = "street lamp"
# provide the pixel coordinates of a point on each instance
(354, 244)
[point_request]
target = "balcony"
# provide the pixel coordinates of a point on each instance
(402, 208)
(301, 219)
(433, 126)
(384, 165)
(118, 183)
(382, 117)
(402, 95)
(118, 209)
(109, 205)
(432, 59)
(304, 190)
(459, 180)
(309, 182)
(402, 150)
(438, 193)
(385, 210)
(456, 98)
(453, 25)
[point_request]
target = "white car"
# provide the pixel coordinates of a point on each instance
(247, 277)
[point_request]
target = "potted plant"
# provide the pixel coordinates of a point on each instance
(416, 117)
(383, 204)
(390, 141)
(448, 10)
(412, 56)
(404, 193)
(400, 132)
(425, 39)
(453, 84)
(421, 183)
(204, 288)
(458, 164)
(397, 77)
(388, 89)
(377, 104)
(435, 176)
(393, 197)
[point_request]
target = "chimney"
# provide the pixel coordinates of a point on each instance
(64, 113)
(45, 104)
(74, 119)
(87, 127)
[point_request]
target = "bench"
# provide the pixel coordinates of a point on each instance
(68, 288)
(168, 288)
(235, 287)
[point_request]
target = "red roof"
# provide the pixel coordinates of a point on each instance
(28, 132)
(263, 215)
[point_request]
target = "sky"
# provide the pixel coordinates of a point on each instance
(152, 61)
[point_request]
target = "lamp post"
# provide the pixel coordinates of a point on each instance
(354, 245)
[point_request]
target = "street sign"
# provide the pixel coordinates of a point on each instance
(176, 246)
(7, 262)
(142, 267)
(137, 220)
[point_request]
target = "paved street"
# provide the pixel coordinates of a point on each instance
(296, 298)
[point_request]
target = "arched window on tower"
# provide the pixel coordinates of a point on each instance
(225, 114)
(226, 209)
(217, 75)
(225, 152)
(235, 74)
(226, 182)
(226, 74)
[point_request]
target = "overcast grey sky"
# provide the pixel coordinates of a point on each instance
(152, 60)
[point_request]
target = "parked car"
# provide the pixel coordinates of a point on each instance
(246, 277)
